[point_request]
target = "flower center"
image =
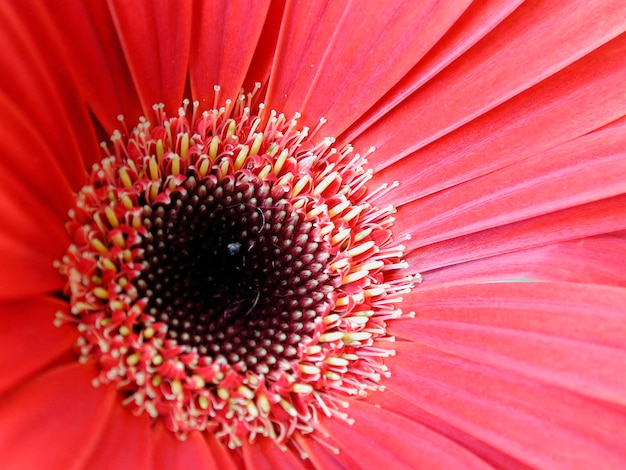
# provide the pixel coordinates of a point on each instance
(231, 273)
(235, 272)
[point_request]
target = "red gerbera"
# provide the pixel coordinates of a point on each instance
(230, 279)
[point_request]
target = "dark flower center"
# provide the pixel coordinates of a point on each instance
(235, 272)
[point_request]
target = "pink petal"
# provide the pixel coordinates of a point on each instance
(475, 23)
(356, 62)
(228, 460)
(223, 48)
(545, 183)
(54, 421)
(323, 457)
(169, 452)
(298, 54)
(593, 260)
(384, 439)
(29, 339)
(264, 454)
(500, 416)
(567, 335)
(125, 442)
(532, 122)
(156, 42)
(570, 224)
(535, 42)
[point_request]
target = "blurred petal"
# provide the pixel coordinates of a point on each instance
(323, 457)
(25, 272)
(30, 340)
(124, 443)
(264, 454)
(169, 452)
(227, 459)
(59, 407)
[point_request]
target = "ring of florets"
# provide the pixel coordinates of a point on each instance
(272, 356)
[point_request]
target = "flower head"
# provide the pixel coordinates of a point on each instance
(232, 275)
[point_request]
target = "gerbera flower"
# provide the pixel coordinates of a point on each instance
(221, 281)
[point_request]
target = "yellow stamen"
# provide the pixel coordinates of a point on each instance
(153, 169)
(241, 157)
(101, 293)
(184, 145)
(213, 147)
(331, 337)
(176, 164)
(302, 388)
(256, 145)
(160, 150)
(280, 161)
(125, 178)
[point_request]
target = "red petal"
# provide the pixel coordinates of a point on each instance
(263, 58)
(156, 39)
(594, 260)
(264, 454)
(25, 272)
(298, 54)
(41, 108)
(322, 457)
(125, 442)
(570, 224)
(535, 42)
(228, 460)
(223, 47)
(496, 414)
(97, 60)
(583, 312)
(568, 335)
(545, 183)
(476, 22)
(357, 60)
(172, 453)
(30, 169)
(578, 100)
(55, 420)
(29, 339)
(383, 439)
